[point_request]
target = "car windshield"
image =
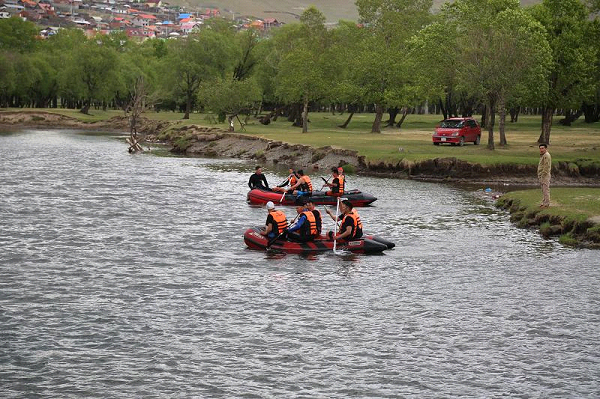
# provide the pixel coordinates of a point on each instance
(451, 123)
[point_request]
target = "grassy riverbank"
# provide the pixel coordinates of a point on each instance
(412, 142)
(574, 214)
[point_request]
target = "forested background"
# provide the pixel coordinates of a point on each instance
(490, 57)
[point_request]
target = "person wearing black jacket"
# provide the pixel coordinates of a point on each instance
(258, 180)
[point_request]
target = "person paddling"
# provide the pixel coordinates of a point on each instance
(276, 222)
(303, 186)
(336, 185)
(289, 181)
(351, 227)
(305, 229)
(258, 180)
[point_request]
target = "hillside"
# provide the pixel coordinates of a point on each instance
(289, 10)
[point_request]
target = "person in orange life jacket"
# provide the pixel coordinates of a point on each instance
(337, 184)
(303, 186)
(351, 227)
(318, 220)
(305, 229)
(276, 222)
(290, 181)
(258, 180)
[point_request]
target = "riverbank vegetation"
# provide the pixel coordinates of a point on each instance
(573, 216)
(493, 59)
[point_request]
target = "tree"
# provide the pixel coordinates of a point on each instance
(501, 48)
(302, 69)
(381, 69)
(230, 96)
(18, 35)
(572, 59)
(199, 57)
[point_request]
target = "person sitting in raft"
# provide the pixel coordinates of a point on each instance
(305, 229)
(336, 185)
(303, 186)
(351, 227)
(276, 222)
(290, 181)
(258, 180)
(318, 219)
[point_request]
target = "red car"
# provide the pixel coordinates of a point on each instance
(457, 131)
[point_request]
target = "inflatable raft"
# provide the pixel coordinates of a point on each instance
(368, 244)
(260, 197)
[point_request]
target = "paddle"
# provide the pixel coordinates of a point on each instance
(337, 211)
(271, 242)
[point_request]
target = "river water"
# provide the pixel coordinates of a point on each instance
(126, 276)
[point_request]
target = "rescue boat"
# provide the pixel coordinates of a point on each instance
(368, 244)
(257, 196)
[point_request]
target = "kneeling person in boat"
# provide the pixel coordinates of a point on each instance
(337, 184)
(276, 222)
(303, 186)
(305, 229)
(290, 181)
(351, 227)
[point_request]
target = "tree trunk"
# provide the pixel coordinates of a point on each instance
(305, 116)
(547, 114)
(376, 128)
(502, 122)
(188, 105)
(491, 120)
(514, 115)
(345, 124)
(393, 113)
(86, 108)
(401, 121)
(443, 109)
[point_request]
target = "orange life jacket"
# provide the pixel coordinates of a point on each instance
(281, 222)
(293, 180)
(310, 228)
(341, 180)
(357, 224)
(306, 185)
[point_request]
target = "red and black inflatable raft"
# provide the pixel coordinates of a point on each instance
(260, 197)
(368, 244)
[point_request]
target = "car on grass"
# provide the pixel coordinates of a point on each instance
(457, 131)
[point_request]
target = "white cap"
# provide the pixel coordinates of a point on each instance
(270, 205)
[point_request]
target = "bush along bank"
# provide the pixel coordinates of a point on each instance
(575, 231)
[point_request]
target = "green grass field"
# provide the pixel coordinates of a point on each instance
(411, 142)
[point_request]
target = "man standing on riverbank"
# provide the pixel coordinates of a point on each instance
(543, 172)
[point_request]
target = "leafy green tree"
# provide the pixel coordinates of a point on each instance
(90, 73)
(230, 96)
(501, 49)
(7, 78)
(573, 57)
(198, 58)
(18, 35)
(302, 69)
(381, 67)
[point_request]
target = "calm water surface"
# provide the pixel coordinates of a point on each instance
(126, 276)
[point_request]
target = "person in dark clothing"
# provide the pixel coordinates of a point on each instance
(305, 229)
(258, 180)
(318, 220)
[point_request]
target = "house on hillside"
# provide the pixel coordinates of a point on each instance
(143, 20)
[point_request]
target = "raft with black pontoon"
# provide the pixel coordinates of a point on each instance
(260, 197)
(368, 244)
